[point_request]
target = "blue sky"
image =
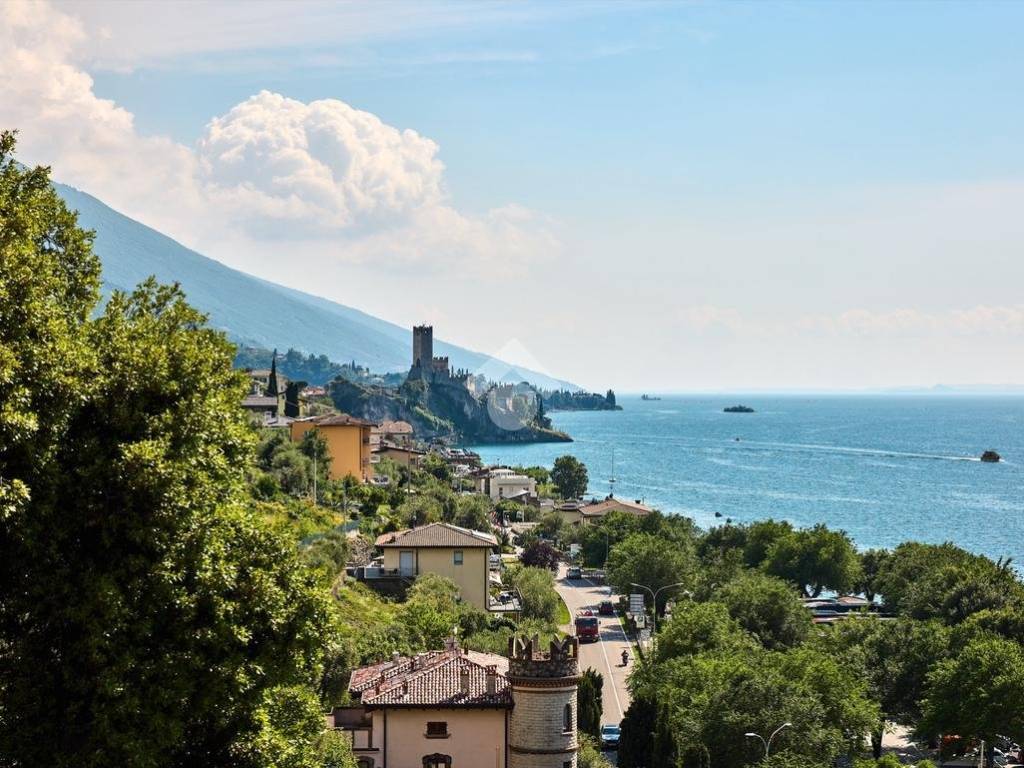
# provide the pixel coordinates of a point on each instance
(700, 195)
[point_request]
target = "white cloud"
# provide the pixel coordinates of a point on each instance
(321, 177)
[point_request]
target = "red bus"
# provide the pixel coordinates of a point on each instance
(586, 626)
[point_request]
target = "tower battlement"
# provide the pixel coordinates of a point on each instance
(543, 724)
(528, 659)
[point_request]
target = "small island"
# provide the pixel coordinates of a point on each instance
(991, 457)
(738, 409)
(649, 397)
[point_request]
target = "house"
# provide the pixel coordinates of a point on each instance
(462, 709)
(400, 454)
(503, 483)
(575, 513)
(394, 432)
(447, 550)
(348, 443)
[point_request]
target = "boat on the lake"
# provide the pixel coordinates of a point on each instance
(991, 457)
(738, 409)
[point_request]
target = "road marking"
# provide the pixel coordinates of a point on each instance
(611, 674)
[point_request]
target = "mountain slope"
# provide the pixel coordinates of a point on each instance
(259, 313)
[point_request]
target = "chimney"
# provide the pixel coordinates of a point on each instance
(451, 643)
(395, 656)
(492, 679)
(464, 681)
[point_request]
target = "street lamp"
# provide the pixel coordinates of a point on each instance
(654, 597)
(768, 743)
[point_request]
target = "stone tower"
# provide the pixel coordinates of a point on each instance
(542, 727)
(422, 347)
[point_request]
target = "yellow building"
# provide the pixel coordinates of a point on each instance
(456, 553)
(348, 443)
(463, 709)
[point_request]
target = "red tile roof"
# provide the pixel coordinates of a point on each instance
(437, 535)
(602, 508)
(433, 679)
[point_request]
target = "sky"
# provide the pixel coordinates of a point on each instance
(646, 196)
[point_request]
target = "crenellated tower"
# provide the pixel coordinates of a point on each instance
(543, 723)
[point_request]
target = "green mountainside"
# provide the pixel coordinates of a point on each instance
(257, 313)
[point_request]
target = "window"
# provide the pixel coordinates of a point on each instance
(437, 730)
(437, 761)
(567, 718)
(364, 762)
(457, 557)
(567, 764)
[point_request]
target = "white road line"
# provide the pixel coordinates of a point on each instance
(611, 675)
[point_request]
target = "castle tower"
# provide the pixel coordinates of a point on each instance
(542, 727)
(422, 347)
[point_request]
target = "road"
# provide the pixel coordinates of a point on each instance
(605, 656)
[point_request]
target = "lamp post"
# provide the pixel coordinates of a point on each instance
(654, 597)
(768, 743)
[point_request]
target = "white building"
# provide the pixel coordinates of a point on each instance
(503, 483)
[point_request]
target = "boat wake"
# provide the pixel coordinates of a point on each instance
(756, 445)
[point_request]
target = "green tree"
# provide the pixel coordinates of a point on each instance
(766, 607)
(946, 582)
(540, 554)
(334, 750)
(550, 525)
(653, 562)
(590, 753)
(471, 511)
(588, 698)
(894, 657)
(760, 537)
(698, 627)
(420, 510)
(536, 587)
(148, 616)
(570, 477)
(636, 740)
(815, 559)
(977, 693)
(871, 563)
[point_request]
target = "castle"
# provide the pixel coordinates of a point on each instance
(426, 367)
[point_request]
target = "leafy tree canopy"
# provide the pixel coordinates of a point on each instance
(570, 477)
(148, 617)
(766, 607)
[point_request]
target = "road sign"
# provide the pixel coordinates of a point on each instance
(636, 603)
(574, 550)
(640, 620)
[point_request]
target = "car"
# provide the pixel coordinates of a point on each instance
(574, 572)
(606, 608)
(609, 737)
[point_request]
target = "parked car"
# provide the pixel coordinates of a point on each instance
(574, 572)
(609, 737)
(606, 608)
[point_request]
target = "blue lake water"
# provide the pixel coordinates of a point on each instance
(885, 469)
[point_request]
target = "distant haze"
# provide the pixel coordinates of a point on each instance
(645, 196)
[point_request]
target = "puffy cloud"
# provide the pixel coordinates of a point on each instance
(322, 177)
(323, 165)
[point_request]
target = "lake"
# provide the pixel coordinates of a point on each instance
(884, 468)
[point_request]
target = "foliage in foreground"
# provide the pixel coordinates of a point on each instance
(149, 616)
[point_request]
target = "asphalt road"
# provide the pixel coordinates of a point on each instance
(605, 656)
